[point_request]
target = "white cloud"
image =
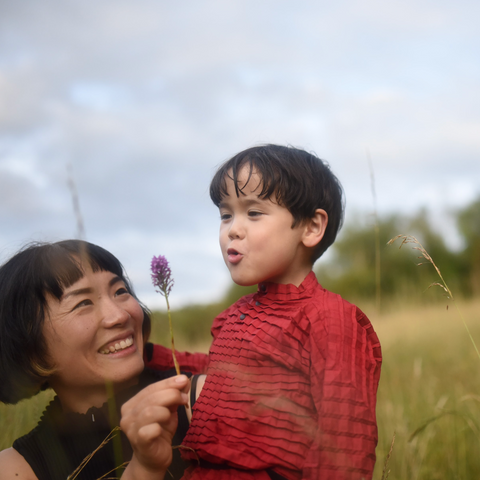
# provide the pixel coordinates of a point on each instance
(145, 98)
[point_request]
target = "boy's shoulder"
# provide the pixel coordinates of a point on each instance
(329, 307)
(342, 326)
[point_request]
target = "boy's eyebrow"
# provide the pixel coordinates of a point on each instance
(246, 201)
(83, 291)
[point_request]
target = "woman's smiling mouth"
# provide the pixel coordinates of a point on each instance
(118, 346)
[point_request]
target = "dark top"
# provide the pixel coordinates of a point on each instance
(61, 441)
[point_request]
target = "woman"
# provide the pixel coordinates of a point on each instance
(69, 321)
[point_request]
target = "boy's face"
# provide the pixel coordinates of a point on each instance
(257, 239)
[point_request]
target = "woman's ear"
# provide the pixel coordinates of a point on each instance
(315, 228)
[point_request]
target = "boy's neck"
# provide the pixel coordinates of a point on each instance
(297, 279)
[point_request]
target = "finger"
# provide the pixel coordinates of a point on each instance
(187, 386)
(154, 418)
(178, 382)
(166, 398)
(156, 408)
(148, 433)
(152, 414)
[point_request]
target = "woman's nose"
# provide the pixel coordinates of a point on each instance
(114, 315)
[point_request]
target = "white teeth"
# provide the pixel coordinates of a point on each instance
(118, 346)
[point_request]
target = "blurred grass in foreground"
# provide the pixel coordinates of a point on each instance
(430, 371)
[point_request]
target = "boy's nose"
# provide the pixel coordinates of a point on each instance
(236, 230)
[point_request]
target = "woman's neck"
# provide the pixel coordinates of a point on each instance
(80, 400)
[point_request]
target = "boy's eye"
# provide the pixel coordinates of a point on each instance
(225, 216)
(254, 213)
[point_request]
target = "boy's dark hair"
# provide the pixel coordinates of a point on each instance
(25, 280)
(294, 178)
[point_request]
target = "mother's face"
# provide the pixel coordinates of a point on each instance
(93, 336)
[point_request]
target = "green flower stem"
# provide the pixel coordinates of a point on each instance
(177, 367)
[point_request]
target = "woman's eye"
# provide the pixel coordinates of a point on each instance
(83, 303)
(121, 291)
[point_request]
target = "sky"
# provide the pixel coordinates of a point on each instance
(138, 102)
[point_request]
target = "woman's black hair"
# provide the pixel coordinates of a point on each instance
(26, 279)
(294, 178)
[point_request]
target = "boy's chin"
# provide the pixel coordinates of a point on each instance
(242, 282)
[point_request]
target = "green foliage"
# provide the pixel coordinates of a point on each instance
(351, 270)
(468, 221)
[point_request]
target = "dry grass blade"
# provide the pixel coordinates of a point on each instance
(411, 239)
(470, 396)
(104, 477)
(468, 420)
(386, 472)
(175, 447)
(82, 465)
(436, 284)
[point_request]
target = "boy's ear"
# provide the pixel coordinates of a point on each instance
(315, 228)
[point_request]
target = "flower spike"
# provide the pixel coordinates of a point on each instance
(162, 279)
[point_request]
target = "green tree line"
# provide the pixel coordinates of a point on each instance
(350, 268)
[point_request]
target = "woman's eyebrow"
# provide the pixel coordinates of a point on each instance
(73, 293)
(115, 280)
(83, 291)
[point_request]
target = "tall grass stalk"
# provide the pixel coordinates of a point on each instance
(425, 255)
(76, 203)
(386, 472)
(378, 290)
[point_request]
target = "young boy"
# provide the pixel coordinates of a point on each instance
(294, 369)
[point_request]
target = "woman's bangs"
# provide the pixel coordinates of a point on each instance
(66, 260)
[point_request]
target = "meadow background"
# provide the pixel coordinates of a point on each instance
(115, 114)
(429, 393)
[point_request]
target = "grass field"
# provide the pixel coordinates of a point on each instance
(430, 374)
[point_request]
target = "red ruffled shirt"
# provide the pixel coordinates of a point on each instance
(158, 357)
(291, 386)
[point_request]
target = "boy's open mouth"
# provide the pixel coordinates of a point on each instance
(233, 255)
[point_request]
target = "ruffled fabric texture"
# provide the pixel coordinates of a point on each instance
(291, 386)
(158, 357)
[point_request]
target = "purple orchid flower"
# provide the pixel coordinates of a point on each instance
(162, 279)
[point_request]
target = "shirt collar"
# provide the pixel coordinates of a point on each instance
(278, 291)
